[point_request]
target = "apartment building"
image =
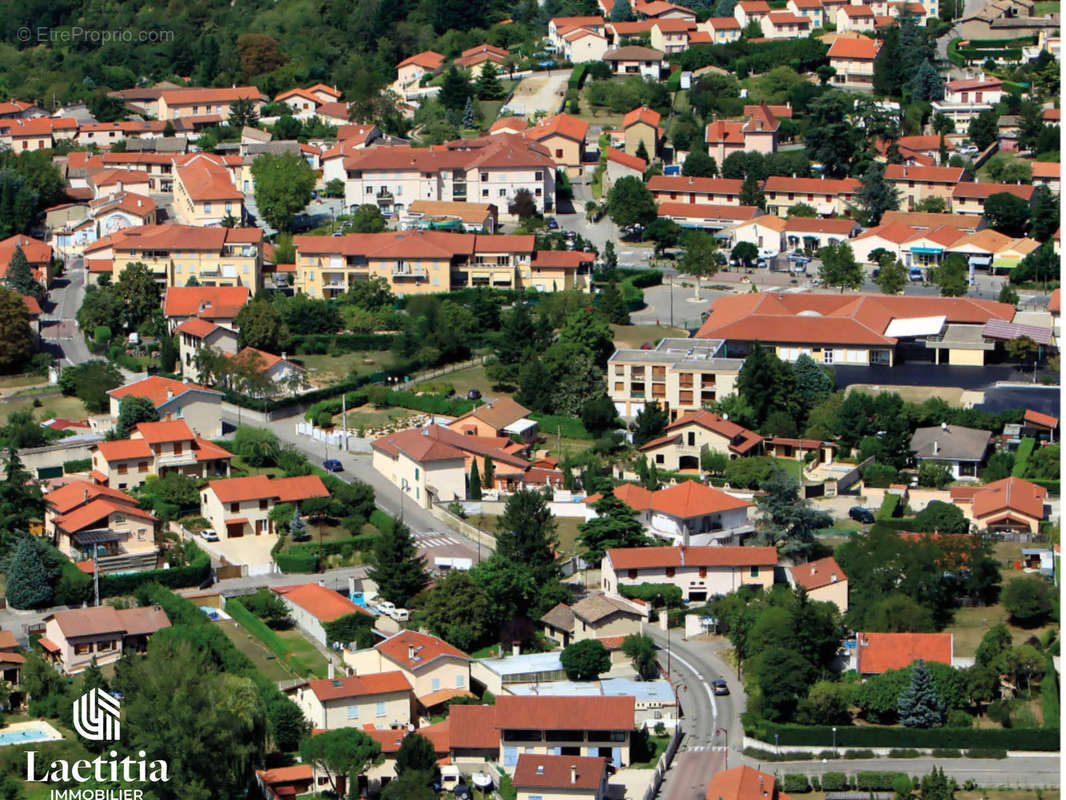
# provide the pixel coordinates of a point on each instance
(915, 184)
(785, 25)
(700, 572)
(489, 169)
(828, 196)
(157, 448)
(198, 102)
(965, 98)
(969, 198)
(853, 60)
(679, 374)
(238, 507)
(204, 194)
(383, 700)
(177, 253)
(687, 189)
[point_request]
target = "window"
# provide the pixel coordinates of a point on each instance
(503, 193)
(380, 710)
(177, 448)
(234, 507)
(82, 649)
(207, 208)
(484, 176)
(460, 681)
(436, 684)
(754, 572)
(703, 572)
(229, 207)
(142, 467)
(659, 458)
(106, 647)
(484, 192)
(538, 175)
(262, 505)
(122, 469)
(417, 474)
(691, 439)
(632, 574)
(827, 357)
(670, 572)
(353, 712)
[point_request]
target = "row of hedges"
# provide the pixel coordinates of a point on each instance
(577, 77)
(430, 403)
(954, 56)
(1021, 41)
(869, 736)
(651, 592)
(74, 587)
(642, 278)
(1021, 457)
(317, 343)
(890, 506)
(77, 465)
(554, 425)
(997, 54)
(236, 609)
(838, 781)
(1053, 486)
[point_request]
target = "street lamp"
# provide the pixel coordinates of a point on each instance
(777, 743)
(404, 486)
(835, 753)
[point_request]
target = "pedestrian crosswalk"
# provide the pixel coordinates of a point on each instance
(436, 541)
(707, 748)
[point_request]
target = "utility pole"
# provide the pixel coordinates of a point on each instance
(344, 419)
(96, 578)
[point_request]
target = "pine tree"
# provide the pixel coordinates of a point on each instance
(751, 194)
(876, 195)
(468, 113)
(488, 85)
(395, 565)
(474, 492)
(29, 578)
(490, 474)
(919, 706)
(19, 274)
(610, 257)
(622, 11)
(613, 305)
(642, 152)
(927, 83)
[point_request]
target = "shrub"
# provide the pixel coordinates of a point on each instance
(876, 781)
(77, 465)
(903, 753)
(834, 782)
(946, 752)
(857, 754)
(889, 506)
(1021, 456)
(796, 784)
(985, 752)
(297, 562)
(654, 594)
(957, 718)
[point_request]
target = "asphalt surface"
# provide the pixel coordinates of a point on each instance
(1020, 771)
(59, 329)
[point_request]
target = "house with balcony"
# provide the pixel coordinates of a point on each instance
(381, 701)
(687, 438)
(635, 60)
(73, 639)
(853, 59)
(700, 572)
(238, 507)
(681, 375)
(597, 727)
(157, 448)
(198, 406)
(965, 98)
(86, 521)
(204, 194)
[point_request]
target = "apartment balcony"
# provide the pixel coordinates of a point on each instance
(417, 274)
(172, 460)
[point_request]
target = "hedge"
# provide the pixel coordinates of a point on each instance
(797, 784)
(1049, 695)
(77, 465)
(1021, 457)
(236, 609)
(193, 574)
(834, 782)
(430, 403)
(311, 343)
(650, 593)
(877, 781)
(1053, 486)
(382, 521)
(642, 278)
(296, 562)
(335, 547)
(554, 424)
(869, 736)
(986, 43)
(577, 77)
(889, 506)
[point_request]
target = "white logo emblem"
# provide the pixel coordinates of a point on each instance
(96, 716)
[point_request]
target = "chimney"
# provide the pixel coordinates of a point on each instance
(410, 652)
(85, 495)
(573, 774)
(814, 569)
(516, 648)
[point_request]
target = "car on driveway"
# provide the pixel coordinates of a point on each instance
(863, 515)
(332, 465)
(209, 536)
(553, 224)
(721, 687)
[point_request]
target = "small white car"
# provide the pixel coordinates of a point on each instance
(209, 536)
(401, 615)
(386, 608)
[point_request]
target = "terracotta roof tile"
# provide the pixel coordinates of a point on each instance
(75, 493)
(710, 556)
(124, 449)
(1009, 494)
(815, 574)
(565, 713)
(564, 773)
(692, 499)
(861, 49)
(426, 649)
(159, 390)
(560, 125)
(326, 689)
(263, 487)
(323, 604)
(880, 652)
(165, 431)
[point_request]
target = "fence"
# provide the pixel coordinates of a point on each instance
(335, 439)
(446, 370)
(479, 536)
(664, 764)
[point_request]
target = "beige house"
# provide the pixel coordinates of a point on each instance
(595, 616)
(564, 137)
(785, 25)
(823, 580)
(1011, 505)
(411, 70)
(72, 639)
(204, 194)
(435, 670)
(641, 127)
(583, 44)
(502, 417)
(424, 468)
(238, 507)
(198, 406)
(689, 189)
(558, 777)
(194, 334)
(679, 374)
(853, 60)
(766, 232)
(829, 197)
(697, 432)
(198, 102)
(383, 700)
(722, 29)
(969, 198)
(216, 304)
(915, 184)
(700, 572)
(635, 60)
(620, 164)
(812, 9)
(83, 518)
(855, 19)
(157, 448)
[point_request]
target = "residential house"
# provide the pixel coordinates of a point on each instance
(800, 449)
(635, 60)
(598, 727)
(875, 653)
(217, 304)
(384, 700)
(551, 777)
(828, 196)
(765, 231)
(700, 572)
(11, 663)
(832, 329)
(82, 519)
(558, 270)
(435, 670)
(916, 184)
(803, 233)
(40, 133)
(641, 127)
(158, 448)
(1010, 505)
(679, 374)
(85, 222)
(748, 11)
(969, 198)
(582, 45)
(744, 783)
(19, 109)
(595, 616)
(1042, 427)
(1049, 174)
(693, 513)
(195, 334)
(785, 25)
(501, 417)
(200, 407)
(659, 10)
(204, 194)
(175, 104)
(722, 30)
(559, 27)
(855, 18)
(105, 182)
(73, 639)
(411, 71)
(313, 606)
(278, 374)
(620, 164)
(812, 9)
(178, 253)
(670, 35)
(853, 60)
(37, 253)
(238, 507)
(690, 436)
(474, 57)
(823, 581)
(687, 189)
(965, 98)
(489, 169)
(926, 220)
(960, 449)
(564, 138)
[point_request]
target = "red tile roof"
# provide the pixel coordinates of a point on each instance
(417, 446)
(723, 23)
(95, 510)
(75, 493)
(427, 59)
(565, 713)
(741, 440)
(880, 652)
(1038, 418)
(295, 773)
(171, 238)
(1009, 494)
(159, 390)
(263, 487)
(643, 114)
(165, 431)
(709, 211)
(837, 186)
(693, 499)
(859, 49)
(724, 131)
(204, 181)
(815, 574)
(322, 603)
(565, 773)
(516, 124)
(683, 184)
(840, 227)
(124, 449)
(1054, 305)
(743, 783)
(199, 328)
(983, 191)
(626, 160)
(473, 727)
(710, 556)
(561, 259)
(327, 689)
(194, 95)
(426, 649)
(901, 172)
(560, 125)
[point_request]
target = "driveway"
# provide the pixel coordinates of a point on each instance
(541, 91)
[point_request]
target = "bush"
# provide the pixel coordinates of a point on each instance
(77, 465)
(193, 574)
(957, 718)
(904, 753)
(323, 343)
(876, 781)
(946, 752)
(654, 594)
(1021, 456)
(987, 752)
(835, 782)
(296, 562)
(857, 754)
(796, 784)
(382, 521)
(890, 506)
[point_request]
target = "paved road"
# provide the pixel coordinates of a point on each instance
(59, 329)
(541, 91)
(1022, 771)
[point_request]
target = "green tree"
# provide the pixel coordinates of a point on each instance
(952, 276)
(898, 613)
(767, 383)
(415, 753)
(996, 641)
(16, 337)
(474, 489)
(585, 660)
(259, 447)
(613, 305)
(527, 534)
(18, 203)
(745, 253)
(367, 219)
(941, 518)
(283, 185)
(892, 275)
(1007, 294)
(787, 520)
(131, 412)
(876, 195)
(919, 705)
(751, 194)
(589, 330)
(488, 84)
(343, 755)
(139, 292)
(1040, 266)
(455, 90)
(19, 275)
(622, 11)
(1007, 214)
(640, 650)
(396, 566)
(927, 84)
(1045, 216)
(411, 785)
(599, 415)
(649, 423)
(262, 327)
(1028, 600)
(458, 610)
(698, 164)
(30, 574)
(101, 306)
(700, 258)
(615, 525)
(839, 267)
(630, 202)
(937, 786)
(242, 113)
(783, 677)
(831, 138)
(826, 703)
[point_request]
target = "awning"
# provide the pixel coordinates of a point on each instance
(521, 426)
(905, 327)
(48, 645)
(929, 250)
(1003, 330)
(238, 521)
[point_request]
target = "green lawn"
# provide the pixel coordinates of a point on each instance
(658, 746)
(1047, 7)
(370, 416)
(266, 662)
(970, 625)
(463, 380)
(18, 381)
(792, 467)
(325, 370)
(635, 336)
(51, 406)
(240, 468)
(305, 652)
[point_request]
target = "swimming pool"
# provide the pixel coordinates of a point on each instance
(26, 732)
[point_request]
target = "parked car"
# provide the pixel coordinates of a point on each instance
(401, 615)
(209, 536)
(967, 150)
(332, 465)
(386, 608)
(916, 274)
(553, 224)
(721, 687)
(860, 514)
(473, 394)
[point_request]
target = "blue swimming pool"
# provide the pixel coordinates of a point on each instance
(25, 735)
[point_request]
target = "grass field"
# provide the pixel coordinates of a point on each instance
(265, 661)
(326, 370)
(1047, 7)
(370, 416)
(51, 406)
(240, 467)
(566, 528)
(464, 380)
(305, 652)
(791, 467)
(971, 624)
(18, 381)
(635, 336)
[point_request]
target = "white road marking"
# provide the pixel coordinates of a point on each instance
(707, 688)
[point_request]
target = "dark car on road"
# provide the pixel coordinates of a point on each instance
(473, 394)
(860, 514)
(332, 465)
(721, 687)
